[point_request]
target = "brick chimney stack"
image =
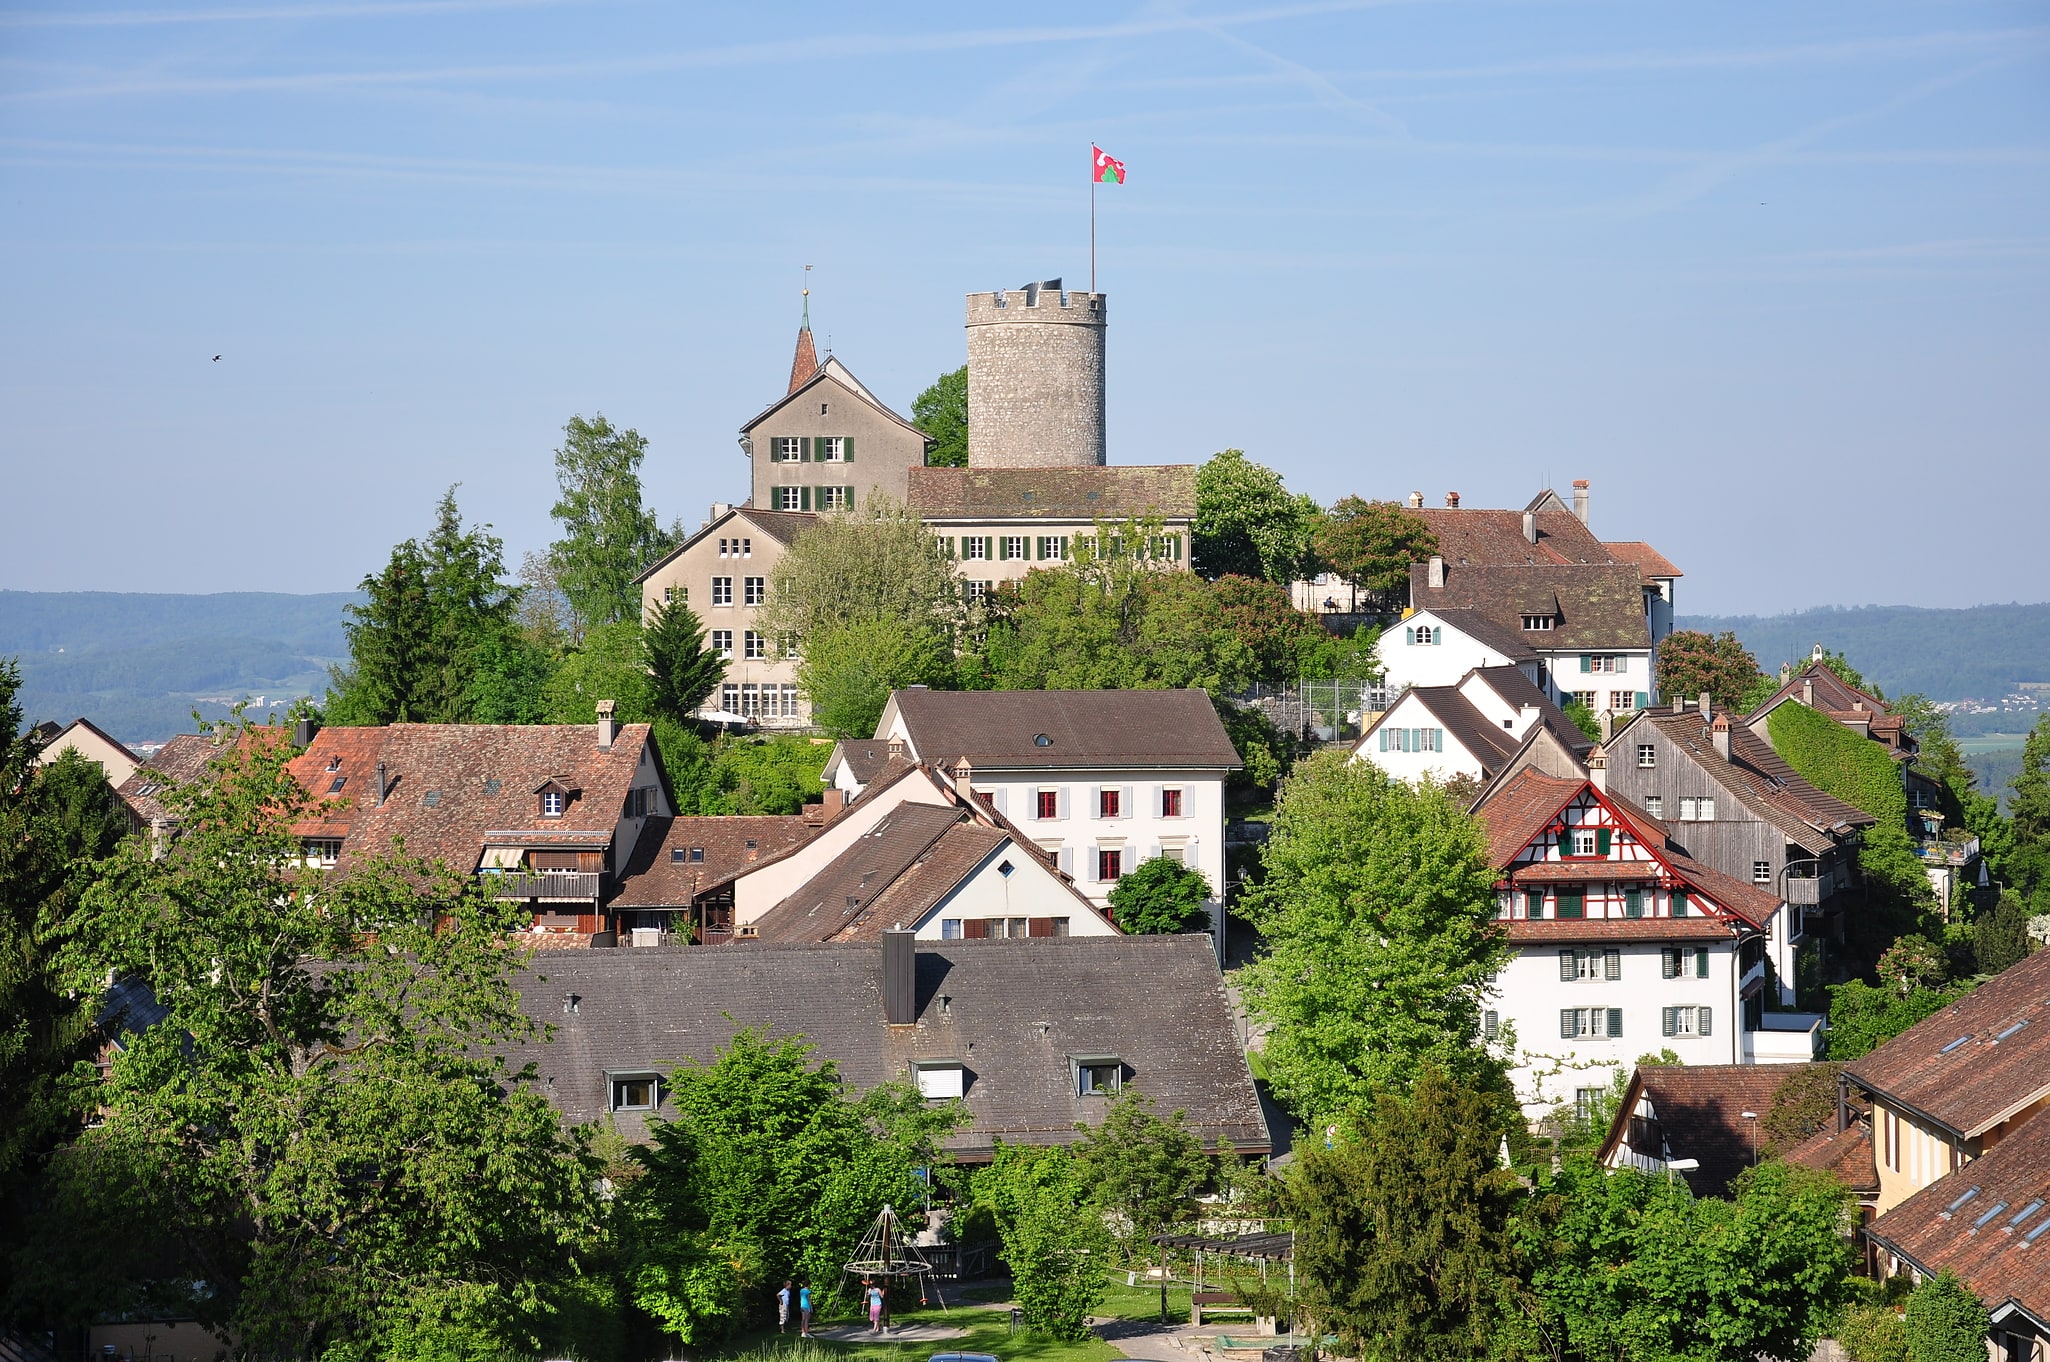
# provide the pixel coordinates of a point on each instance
(1580, 499)
(1719, 736)
(1452, 501)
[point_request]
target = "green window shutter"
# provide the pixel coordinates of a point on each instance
(1601, 841)
(1633, 903)
(1700, 962)
(804, 493)
(1533, 899)
(1679, 903)
(804, 456)
(1565, 965)
(1565, 1023)
(847, 449)
(1704, 1021)
(953, 548)
(1666, 1022)
(1615, 1023)
(1669, 964)
(1586, 663)
(1644, 699)
(1612, 964)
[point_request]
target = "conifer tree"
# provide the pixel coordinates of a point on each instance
(682, 670)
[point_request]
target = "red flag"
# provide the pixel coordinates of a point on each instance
(1106, 168)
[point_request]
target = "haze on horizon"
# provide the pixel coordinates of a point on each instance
(1774, 278)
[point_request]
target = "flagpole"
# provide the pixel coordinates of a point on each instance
(1092, 220)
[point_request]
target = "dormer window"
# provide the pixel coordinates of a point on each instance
(636, 1092)
(553, 803)
(1097, 1075)
(939, 1079)
(1540, 623)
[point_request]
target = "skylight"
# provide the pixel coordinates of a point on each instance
(1953, 1045)
(2025, 1212)
(1951, 1209)
(1995, 1209)
(2033, 1235)
(2011, 1030)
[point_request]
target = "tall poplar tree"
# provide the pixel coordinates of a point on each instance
(608, 536)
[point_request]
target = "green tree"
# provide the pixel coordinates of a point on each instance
(1248, 523)
(1052, 1233)
(941, 411)
(2000, 934)
(682, 671)
(849, 672)
(1802, 1104)
(316, 1126)
(1945, 1322)
(769, 1171)
(1284, 643)
(510, 683)
(1691, 662)
(2028, 809)
(1873, 1333)
(1372, 544)
(608, 537)
(1377, 903)
(1848, 674)
(1159, 896)
(877, 563)
(1630, 1265)
(610, 665)
(1863, 1017)
(1402, 1240)
(1584, 719)
(390, 641)
(56, 822)
(1146, 1170)
(1267, 753)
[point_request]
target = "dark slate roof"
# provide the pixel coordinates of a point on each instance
(1594, 606)
(2002, 1067)
(1489, 744)
(1481, 628)
(841, 894)
(1986, 1239)
(1515, 689)
(1013, 1012)
(451, 784)
(781, 526)
(1085, 728)
(1758, 777)
(1091, 493)
(863, 757)
(1700, 1111)
(656, 878)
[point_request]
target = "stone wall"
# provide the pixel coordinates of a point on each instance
(1035, 378)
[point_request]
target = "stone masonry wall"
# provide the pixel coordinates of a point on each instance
(1035, 379)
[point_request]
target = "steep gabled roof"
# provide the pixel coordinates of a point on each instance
(1487, 744)
(662, 872)
(1086, 728)
(832, 371)
(1014, 1013)
(1518, 693)
(1514, 815)
(841, 894)
(1484, 629)
(1483, 537)
(1644, 557)
(1842, 701)
(1095, 493)
(1759, 778)
(1596, 607)
(781, 526)
(1700, 1113)
(1985, 1222)
(181, 761)
(1977, 1062)
(864, 759)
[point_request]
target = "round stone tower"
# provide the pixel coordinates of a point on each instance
(1035, 378)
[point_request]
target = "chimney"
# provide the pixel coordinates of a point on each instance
(383, 784)
(1808, 691)
(1452, 501)
(1608, 723)
(1416, 501)
(159, 839)
(1786, 672)
(719, 508)
(1598, 768)
(1719, 736)
(833, 803)
(1437, 573)
(1580, 500)
(896, 747)
(1530, 526)
(607, 729)
(900, 978)
(1679, 705)
(1526, 716)
(1704, 703)
(303, 733)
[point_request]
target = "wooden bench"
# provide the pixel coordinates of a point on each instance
(1203, 1303)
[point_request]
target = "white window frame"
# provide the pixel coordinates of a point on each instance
(789, 498)
(975, 548)
(789, 449)
(722, 643)
(1586, 842)
(829, 449)
(1647, 756)
(755, 647)
(722, 591)
(754, 590)
(1655, 805)
(613, 1082)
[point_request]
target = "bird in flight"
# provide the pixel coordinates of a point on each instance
(217, 359)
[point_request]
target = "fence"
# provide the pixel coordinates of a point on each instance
(1318, 711)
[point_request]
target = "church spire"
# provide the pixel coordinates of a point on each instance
(805, 362)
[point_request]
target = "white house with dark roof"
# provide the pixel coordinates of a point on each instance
(1440, 647)
(1470, 729)
(1101, 781)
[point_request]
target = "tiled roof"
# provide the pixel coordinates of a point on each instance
(1106, 729)
(864, 758)
(656, 878)
(1526, 932)
(181, 761)
(1759, 778)
(804, 361)
(1096, 493)
(840, 895)
(2002, 1066)
(1700, 1111)
(1840, 700)
(1986, 1239)
(450, 784)
(1754, 903)
(831, 370)
(1516, 690)
(1483, 537)
(1012, 1012)
(781, 526)
(1595, 606)
(1647, 559)
(1510, 642)
(1516, 813)
(1846, 1153)
(1488, 744)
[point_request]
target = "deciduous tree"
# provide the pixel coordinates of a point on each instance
(1160, 895)
(1945, 1322)
(875, 563)
(1248, 523)
(849, 672)
(608, 536)
(1145, 1168)
(1053, 1235)
(610, 664)
(1691, 662)
(1372, 544)
(1378, 904)
(941, 411)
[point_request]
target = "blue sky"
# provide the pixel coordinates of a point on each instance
(1775, 277)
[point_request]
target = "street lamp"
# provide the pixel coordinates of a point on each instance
(1680, 1166)
(1752, 1117)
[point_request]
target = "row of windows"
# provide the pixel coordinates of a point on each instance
(1412, 740)
(812, 498)
(1045, 548)
(812, 449)
(1620, 701)
(1606, 1023)
(956, 929)
(1109, 801)
(758, 700)
(736, 548)
(1610, 663)
(1606, 963)
(1569, 901)
(753, 591)
(753, 646)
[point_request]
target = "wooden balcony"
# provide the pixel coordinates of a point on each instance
(551, 886)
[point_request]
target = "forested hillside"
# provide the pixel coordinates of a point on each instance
(138, 664)
(1979, 652)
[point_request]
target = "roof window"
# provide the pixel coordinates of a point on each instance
(1969, 1193)
(939, 1079)
(635, 1092)
(2025, 1212)
(1097, 1075)
(2037, 1233)
(1953, 1045)
(432, 799)
(334, 786)
(677, 855)
(2009, 1031)
(492, 787)
(1041, 740)
(1995, 1209)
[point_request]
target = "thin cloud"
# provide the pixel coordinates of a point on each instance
(374, 9)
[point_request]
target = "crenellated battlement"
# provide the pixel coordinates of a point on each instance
(1035, 377)
(1045, 301)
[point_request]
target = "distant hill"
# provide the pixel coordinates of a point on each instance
(1981, 652)
(138, 664)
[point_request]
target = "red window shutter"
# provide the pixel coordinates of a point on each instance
(1039, 926)
(975, 927)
